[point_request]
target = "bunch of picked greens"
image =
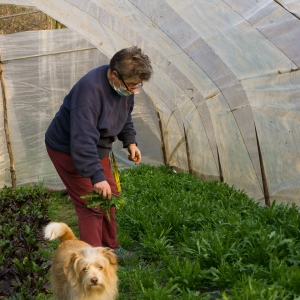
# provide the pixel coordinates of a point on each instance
(94, 199)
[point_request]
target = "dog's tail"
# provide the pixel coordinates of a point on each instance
(56, 230)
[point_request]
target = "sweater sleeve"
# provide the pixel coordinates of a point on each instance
(128, 133)
(83, 140)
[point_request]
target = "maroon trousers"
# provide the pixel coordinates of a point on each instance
(94, 227)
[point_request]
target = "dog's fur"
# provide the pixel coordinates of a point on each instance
(80, 271)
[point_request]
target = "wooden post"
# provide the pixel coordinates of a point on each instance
(163, 148)
(188, 153)
(7, 135)
(263, 173)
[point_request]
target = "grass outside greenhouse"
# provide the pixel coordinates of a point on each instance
(195, 240)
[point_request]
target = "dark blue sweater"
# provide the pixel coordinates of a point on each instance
(92, 115)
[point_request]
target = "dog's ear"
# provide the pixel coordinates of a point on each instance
(109, 254)
(70, 268)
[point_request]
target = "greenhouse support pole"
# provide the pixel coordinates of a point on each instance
(7, 134)
(263, 173)
(163, 148)
(188, 153)
(220, 167)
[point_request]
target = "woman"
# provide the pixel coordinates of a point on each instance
(96, 111)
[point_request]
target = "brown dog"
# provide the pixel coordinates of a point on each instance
(80, 271)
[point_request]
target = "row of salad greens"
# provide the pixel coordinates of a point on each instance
(193, 240)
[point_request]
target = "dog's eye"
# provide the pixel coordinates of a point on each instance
(84, 269)
(100, 268)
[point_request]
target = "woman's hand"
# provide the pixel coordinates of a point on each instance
(134, 154)
(103, 188)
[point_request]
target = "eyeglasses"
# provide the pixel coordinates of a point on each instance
(138, 86)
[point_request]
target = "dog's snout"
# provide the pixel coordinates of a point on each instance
(94, 280)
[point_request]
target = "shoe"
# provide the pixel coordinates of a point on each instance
(123, 254)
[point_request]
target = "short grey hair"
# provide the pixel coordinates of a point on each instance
(131, 62)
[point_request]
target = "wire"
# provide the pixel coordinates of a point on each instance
(46, 54)
(22, 14)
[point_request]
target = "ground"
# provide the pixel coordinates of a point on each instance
(21, 18)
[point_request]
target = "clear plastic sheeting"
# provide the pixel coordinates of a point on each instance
(275, 101)
(38, 75)
(291, 5)
(225, 85)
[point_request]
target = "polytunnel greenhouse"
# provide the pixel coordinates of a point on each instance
(223, 103)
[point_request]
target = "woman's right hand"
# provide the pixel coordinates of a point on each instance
(103, 188)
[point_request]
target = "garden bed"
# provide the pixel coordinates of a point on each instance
(23, 261)
(194, 239)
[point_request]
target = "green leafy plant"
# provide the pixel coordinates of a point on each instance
(23, 268)
(207, 239)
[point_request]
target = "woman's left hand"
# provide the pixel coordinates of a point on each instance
(134, 154)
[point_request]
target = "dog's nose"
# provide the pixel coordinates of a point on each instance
(94, 280)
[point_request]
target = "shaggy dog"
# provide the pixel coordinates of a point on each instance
(80, 271)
